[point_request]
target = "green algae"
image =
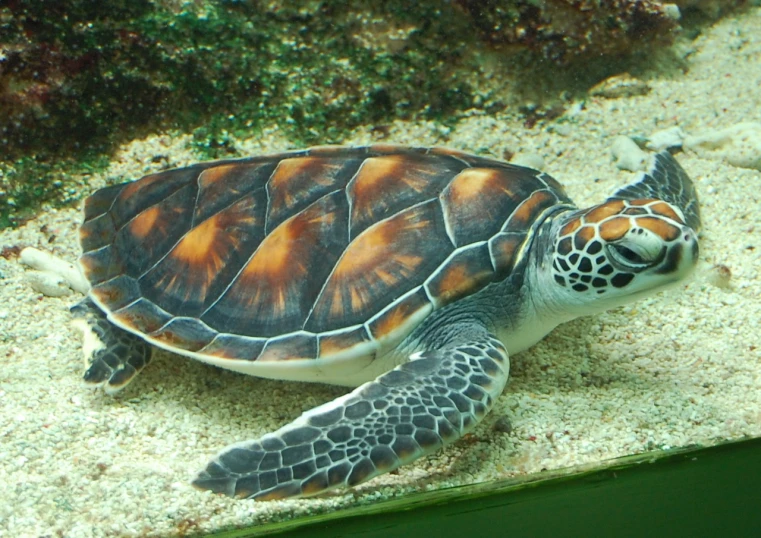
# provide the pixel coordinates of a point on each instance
(77, 80)
(26, 183)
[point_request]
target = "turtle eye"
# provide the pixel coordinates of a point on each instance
(633, 256)
(629, 254)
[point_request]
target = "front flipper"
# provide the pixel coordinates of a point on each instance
(113, 355)
(409, 412)
(665, 180)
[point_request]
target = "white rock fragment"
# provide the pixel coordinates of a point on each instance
(530, 160)
(621, 85)
(628, 155)
(720, 276)
(673, 137)
(47, 263)
(672, 11)
(563, 129)
(574, 110)
(48, 283)
(739, 145)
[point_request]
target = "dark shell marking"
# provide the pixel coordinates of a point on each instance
(306, 254)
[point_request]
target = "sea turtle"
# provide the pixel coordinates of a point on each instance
(410, 273)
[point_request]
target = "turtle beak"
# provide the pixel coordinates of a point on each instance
(691, 248)
(682, 255)
(694, 247)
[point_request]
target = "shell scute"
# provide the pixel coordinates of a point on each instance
(300, 181)
(334, 150)
(386, 260)
(117, 292)
(386, 149)
(393, 323)
(102, 264)
(474, 161)
(99, 202)
(96, 233)
(221, 186)
(529, 210)
(184, 333)
(137, 196)
(504, 249)
(281, 280)
(164, 223)
(291, 347)
(234, 346)
(143, 315)
(202, 263)
(463, 273)
(385, 185)
(140, 226)
(478, 201)
(334, 343)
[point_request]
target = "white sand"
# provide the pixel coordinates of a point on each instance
(680, 368)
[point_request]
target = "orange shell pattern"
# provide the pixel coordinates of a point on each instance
(306, 254)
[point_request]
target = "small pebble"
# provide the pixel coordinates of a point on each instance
(503, 425)
(45, 262)
(720, 276)
(48, 283)
(575, 109)
(673, 137)
(529, 160)
(672, 11)
(617, 86)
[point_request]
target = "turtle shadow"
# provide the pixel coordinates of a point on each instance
(209, 393)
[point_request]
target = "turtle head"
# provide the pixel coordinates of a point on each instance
(619, 251)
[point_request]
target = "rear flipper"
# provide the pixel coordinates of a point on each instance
(666, 180)
(113, 356)
(406, 413)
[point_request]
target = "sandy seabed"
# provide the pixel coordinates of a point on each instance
(680, 368)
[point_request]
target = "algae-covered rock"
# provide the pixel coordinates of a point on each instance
(91, 70)
(621, 85)
(710, 8)
(78, 77)
(562, 30)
